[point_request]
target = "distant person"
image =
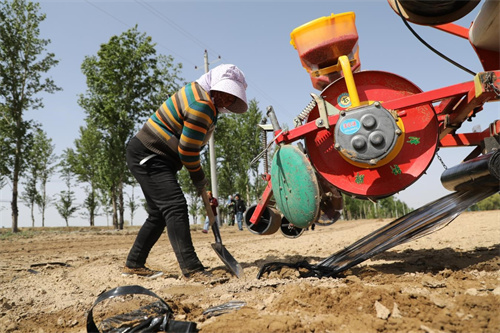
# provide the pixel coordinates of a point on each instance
(172, 138)
(231, 205)
(240, 209)
(213, 204)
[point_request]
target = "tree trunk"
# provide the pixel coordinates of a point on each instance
(32, 214)
(121, 204)
(93, 204)
(15, 184)
(15, 212)
(43, 215)
(44, 202)
(115, 208)
(115, 213)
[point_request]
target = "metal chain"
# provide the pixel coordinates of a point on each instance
(441, 160)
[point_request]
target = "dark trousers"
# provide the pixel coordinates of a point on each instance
(167, 207)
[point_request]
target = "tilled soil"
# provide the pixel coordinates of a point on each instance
(448, 281)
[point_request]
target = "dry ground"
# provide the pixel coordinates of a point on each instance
(448, 281)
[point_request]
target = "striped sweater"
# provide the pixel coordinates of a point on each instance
(181, 127)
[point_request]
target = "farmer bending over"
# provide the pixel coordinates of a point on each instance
(172, 138)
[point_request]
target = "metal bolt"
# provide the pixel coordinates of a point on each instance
(342, 113)
(376, 104)
(398, 131)
(369, 121)
(373, 162)
(358, 142)
(337, 146)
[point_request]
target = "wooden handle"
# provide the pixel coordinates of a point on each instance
(208, 208)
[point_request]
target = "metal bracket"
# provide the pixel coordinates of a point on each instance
(325, 109)
(322, 121)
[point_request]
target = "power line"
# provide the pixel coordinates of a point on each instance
(191, 37)
(165, 19)
(107, 13)
(129, 26)
(171, 23)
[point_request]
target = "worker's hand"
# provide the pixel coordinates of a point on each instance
(200, 185)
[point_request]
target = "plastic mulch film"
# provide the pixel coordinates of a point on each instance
(416, 224)
(155, 316)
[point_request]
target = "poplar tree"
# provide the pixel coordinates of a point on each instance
(39, 160)
(125, 82)
(238, 141)
(65, 205)
(23, 61)
(84, 162)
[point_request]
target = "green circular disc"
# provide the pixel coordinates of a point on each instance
(295, 186)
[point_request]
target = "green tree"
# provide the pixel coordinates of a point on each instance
(91, 205)
(132, 204)
(23, 61)
(383, 208)
(125, 82)
(45, 159)
(30, 195)
(490, 203)
(191, 192)
(238, 141)
(84, 161)
(39, 158)
(66, 204)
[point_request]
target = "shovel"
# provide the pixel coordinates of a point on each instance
(221, 251)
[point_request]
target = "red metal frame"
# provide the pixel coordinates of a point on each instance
(264, 200)
(454, 29)
(456, 104)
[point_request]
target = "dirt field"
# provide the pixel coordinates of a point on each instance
(448, 281)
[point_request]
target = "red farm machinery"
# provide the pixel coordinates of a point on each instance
(371, 134)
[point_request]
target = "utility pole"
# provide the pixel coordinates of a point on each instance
(213, 158)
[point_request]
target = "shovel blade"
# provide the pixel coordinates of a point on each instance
(228, 259)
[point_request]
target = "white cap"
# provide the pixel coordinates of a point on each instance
(229, 79)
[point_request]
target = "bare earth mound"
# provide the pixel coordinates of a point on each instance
(448, 281)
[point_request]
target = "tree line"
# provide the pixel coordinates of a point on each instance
(126, 81)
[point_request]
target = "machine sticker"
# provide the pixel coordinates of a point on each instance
(359, 179)
(413, 140)
(343, 100)
(396, 170)
(350, 126)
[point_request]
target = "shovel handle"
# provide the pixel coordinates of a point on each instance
(211, 217)
(221, 251)
(208, 208)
